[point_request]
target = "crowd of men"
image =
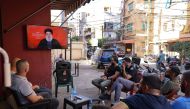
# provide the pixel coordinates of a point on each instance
(149, 91)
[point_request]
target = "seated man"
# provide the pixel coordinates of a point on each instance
(150, 98)
(127, 81)
(171, 84)
(183, 102)
(111, 74)
(40, 90)
(23, 86)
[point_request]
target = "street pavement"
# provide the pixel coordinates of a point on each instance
(87, 73)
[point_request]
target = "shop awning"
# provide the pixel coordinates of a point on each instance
(186, 29)
(68, 5)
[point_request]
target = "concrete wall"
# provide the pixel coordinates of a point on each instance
(77, 52)
(14, 41)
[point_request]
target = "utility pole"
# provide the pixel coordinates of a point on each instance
(150, 28)
(122, 19)
(159, 26)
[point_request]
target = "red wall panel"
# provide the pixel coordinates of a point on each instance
(14, 41)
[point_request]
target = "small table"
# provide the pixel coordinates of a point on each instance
(76, 104)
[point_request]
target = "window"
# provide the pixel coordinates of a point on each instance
(130, 27)
(108, 25)
(165, 26)
(130, 6)
(144, 26)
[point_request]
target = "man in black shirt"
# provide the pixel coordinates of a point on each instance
(48, 42)
(110, 74)
(127, 81)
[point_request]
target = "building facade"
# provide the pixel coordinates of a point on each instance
(150, 25)
(135, 27)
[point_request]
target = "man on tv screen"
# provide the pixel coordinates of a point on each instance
(48, 42)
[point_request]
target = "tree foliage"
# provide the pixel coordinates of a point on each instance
(183, 48)
(75, 38)
(101, 42)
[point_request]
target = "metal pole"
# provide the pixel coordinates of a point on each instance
(65, 54)
(70, 45)
(75, 68)
(148, 28)
(57, 16)
(19, 22)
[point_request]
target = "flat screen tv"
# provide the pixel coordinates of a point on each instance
(46, 37)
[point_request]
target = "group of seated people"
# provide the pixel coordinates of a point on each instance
(29, 93)
(151, 91)
(124, 77)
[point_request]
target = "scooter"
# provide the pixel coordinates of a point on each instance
(149, 69)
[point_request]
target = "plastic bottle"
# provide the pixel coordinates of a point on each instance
(73, 93)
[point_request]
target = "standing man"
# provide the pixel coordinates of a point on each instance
(160, 60)
(49, 42)
(23, 86)
(183, 102)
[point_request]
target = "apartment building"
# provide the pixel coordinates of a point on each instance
(171, 24)
(135, 27)
(154, 25)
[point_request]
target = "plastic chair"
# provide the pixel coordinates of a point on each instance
(12, 98)
(62, 76)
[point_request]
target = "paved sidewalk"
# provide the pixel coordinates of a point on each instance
(87, 73)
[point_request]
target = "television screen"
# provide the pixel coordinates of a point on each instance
(46, 37)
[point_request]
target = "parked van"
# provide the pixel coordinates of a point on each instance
(105, 57)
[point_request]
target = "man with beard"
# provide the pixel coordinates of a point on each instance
(183, 102)
(49, 42)
(150, 98)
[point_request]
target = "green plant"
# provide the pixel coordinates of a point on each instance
(183, 48)
(75, 38)
(101, 42)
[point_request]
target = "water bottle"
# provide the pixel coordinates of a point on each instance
(73, 93)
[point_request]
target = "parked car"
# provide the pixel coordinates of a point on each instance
(105, 60)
